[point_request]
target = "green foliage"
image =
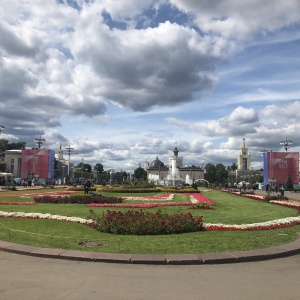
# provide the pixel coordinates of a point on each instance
(210, 174)
(99, 168)
(80, 188)
(270, 197)
(201, 205)
(146, 223)
(5, 145)
(140, 173)
(289, 184)
(221, 173)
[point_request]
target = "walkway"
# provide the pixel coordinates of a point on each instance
(35, 278)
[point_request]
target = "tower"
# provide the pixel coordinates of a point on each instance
(244, 158)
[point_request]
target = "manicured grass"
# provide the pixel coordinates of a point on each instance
(230, 209)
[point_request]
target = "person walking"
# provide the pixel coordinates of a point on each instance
(86, 187)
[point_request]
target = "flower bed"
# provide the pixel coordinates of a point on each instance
(140, 205)
(287, 203)
(280, 223)
(146, 223)
(30, 195)
(4, 214)
(200, 198)
(78, 199)
(18, 203)
(164, 197)
(195, 198)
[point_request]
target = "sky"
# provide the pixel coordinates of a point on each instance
(124, 81)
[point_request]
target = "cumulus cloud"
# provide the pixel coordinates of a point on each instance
(82, 59)
(239, 122)
(239, 19)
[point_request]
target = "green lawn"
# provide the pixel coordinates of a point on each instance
(229, 209)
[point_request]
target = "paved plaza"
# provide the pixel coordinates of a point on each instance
(34, 278)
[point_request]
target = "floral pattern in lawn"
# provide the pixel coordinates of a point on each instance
(286, 203)
(194, 197)
(280, 223)
(31, 195)
(164, 197)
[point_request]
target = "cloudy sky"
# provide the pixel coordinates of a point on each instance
(124, 81)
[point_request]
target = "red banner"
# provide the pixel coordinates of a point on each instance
(36, 161)
(281, 165)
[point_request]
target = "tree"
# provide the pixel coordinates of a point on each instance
(99, 168)
(84, 167)
(233, 167)
(140, 173)
(289, 184)
(221, 173)
(210, 173)
(5, 145)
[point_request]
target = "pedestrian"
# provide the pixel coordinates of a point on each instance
(86, 187)
(267, 188)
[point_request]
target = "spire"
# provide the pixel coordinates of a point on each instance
(244, 144)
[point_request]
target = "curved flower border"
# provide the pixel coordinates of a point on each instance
(279, 223)
(4, 214)
(164, 197)
(142, 205)
(19, 203)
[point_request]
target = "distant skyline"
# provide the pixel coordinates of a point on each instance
(122, 82)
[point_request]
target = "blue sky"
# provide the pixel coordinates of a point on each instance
(125, 81)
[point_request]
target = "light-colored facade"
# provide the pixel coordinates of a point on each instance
(13, 162)
(175, 170)
(244, 172)
(244, 158)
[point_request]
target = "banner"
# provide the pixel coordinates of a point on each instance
(278, 166)
(37, 163)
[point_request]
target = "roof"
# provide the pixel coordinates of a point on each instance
(157, 163)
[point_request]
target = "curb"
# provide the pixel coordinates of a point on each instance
(157, 259)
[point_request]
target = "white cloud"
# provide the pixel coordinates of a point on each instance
(239, 19)
(239, 122)
(72, 76)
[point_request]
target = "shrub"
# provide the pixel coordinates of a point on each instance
(77, 199)
(201, 205)
(268, 198)
(80, 188)
(146, 223)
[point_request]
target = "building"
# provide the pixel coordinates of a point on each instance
(174, 173)
(278, 166)
(13, 162)
(244, 171)
(244, 158)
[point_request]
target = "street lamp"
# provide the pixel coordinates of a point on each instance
(63, 174)
(1, 128)
(69, 151)
(286, 144)
(40, 142)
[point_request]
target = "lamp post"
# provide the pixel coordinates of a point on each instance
(40, 142)
(63, 174)
(69, 151)
(286, 144)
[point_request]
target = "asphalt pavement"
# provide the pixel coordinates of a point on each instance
(36, 278)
